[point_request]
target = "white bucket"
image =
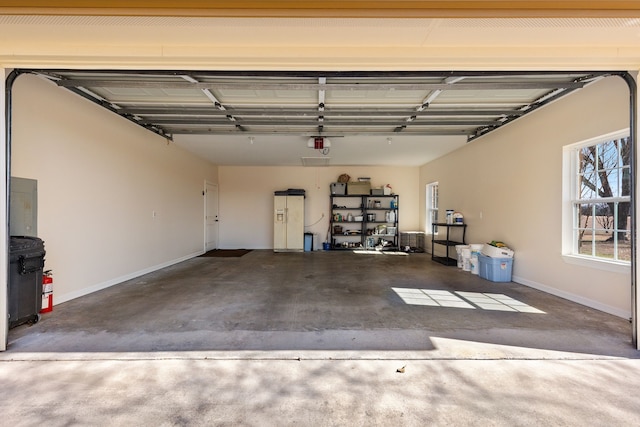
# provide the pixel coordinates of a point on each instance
(466, 259)
(476, 248)
(475, 264)
(459, 249)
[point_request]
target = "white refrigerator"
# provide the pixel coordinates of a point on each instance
(288, 223)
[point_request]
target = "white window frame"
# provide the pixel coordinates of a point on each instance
(430, 208)
(570, 189)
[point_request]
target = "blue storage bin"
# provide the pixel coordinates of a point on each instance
(495, 269)
(308, 242)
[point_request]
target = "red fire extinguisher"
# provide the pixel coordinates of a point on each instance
(47, 292)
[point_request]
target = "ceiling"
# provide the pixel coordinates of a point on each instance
(247, 90)
(320, 118)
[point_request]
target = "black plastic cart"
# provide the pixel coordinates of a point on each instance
(26, 262)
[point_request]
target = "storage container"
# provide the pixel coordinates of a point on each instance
(377, 191)
(338, 188)
(413, 239)
(459, 249)
(308, 242)
(391, 231)
(362, 188)
(26, 261)
(495, 269)
(495, 252)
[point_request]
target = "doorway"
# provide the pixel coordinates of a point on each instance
(210, 216)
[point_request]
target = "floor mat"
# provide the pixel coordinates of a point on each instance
(226, 253)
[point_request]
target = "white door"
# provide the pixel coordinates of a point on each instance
(211, 216)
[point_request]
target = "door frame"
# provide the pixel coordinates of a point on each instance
(205, 194)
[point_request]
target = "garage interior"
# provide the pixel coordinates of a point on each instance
(133, 117)
(206, 112)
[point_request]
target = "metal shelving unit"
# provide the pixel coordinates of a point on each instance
(375, 226)
(448, 242)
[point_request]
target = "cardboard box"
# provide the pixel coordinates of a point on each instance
(358, 188)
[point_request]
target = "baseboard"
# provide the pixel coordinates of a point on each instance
(573, 297)
(59, 299)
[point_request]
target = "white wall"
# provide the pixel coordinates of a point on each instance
(100, 178)
(514, 177)
(246, 199)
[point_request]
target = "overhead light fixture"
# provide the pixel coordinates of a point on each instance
(389, 141)
(251, 140)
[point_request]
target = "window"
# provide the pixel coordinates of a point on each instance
(599, 199)
(432, 207)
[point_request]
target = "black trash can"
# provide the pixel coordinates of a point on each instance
(26, 262)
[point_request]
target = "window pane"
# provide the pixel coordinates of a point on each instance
(624, 250)
(624, 217)
(585, 245)
(587, 159)
(588, 185)
(608, 155)
(625, 151)
(604, 216)
(610, 183)
(625, 182)
(604, 248)
(584, 214)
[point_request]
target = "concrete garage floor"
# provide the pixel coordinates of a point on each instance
(319, 339)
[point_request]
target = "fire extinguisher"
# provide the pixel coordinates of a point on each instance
(47, 292)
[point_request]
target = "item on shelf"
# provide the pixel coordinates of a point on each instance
(338, 188)
(359, 188)
(344, 178)
(390, 216)
(458, 218)
(449, 216)
(337, 229)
